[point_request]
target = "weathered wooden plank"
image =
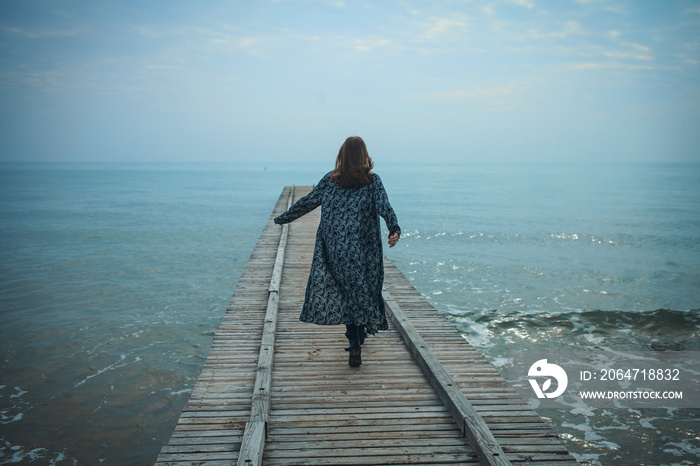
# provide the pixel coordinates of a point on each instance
(480, 437)
(390, 458)
(279, 258)
(204, 440)
(435, 443)
(253, 443)
(251, 450)
(260, 409)
(373, 456)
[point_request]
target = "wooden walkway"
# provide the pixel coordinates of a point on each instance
(423, 395)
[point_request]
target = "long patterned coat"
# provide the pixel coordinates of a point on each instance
(347, 270)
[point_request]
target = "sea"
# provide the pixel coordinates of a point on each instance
(115, 277)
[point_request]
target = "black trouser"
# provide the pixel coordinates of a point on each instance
(355, 334)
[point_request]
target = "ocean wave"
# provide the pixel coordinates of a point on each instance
(657, 330)
(527, 236)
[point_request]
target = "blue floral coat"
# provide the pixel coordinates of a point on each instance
(347, 270)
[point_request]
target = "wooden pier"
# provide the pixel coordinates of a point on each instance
(276, 391)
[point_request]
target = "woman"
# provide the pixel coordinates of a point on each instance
(347, 270)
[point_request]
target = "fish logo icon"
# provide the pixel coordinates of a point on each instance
(542, 368)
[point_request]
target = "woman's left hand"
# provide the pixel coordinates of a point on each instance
(393, 239)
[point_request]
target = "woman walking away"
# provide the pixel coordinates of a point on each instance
(347, 270)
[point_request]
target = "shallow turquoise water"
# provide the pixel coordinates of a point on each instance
(114, 279)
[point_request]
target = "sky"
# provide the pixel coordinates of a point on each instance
(423, 82)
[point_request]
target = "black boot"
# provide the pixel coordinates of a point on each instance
(356, 333)
(354, 337)
(362, 332)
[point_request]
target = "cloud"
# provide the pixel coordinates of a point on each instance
(523, 3)
(365, 45)
(611, 66)
(200, 42)
(570, 28)
(639, 51)
(50, 81)
(441, 26)
(499, 98)
(627, 55)
(245, 42)
(41, 34)
(691, 57)
(333, 3)
(616, 9)
(478, 92)
(643, 48)
(616, 35)
(237, 42)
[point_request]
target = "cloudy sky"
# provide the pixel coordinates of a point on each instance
(504, 81)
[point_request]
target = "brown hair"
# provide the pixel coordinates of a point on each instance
(353, 165)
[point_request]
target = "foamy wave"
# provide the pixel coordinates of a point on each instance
(10, 453)
(658, 330)
(103, 370)
(14, 412)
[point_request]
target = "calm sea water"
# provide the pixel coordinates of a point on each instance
(114, 278)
